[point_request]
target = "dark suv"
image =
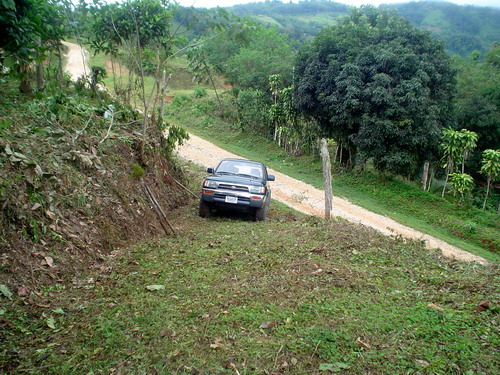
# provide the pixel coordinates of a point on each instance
(237, 185)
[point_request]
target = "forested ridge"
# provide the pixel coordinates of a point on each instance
(463, 28)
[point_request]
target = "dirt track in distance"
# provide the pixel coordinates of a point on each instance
(76, 60)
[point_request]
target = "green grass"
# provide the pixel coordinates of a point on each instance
(465, 227)
(292, 295)
(266, 20)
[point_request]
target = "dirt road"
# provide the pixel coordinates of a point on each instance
(294, 193)
(310, 200)
(76, 60)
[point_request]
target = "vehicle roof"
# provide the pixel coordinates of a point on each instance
(242, 160)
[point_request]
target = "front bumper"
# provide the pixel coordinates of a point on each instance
(244, 200)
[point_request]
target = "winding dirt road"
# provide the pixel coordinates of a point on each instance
(290, 191)
(310, 200)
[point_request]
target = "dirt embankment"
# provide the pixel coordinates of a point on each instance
(73, 191)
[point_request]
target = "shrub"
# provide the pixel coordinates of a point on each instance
(199, 92)
(137, 171)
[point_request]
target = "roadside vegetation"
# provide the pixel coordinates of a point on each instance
(72, 180)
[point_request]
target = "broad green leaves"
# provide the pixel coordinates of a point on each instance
(454, 145)
(491, 164)
(378, 86)
(490, 167)
(461, 183)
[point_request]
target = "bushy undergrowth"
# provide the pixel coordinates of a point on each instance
(66, 188)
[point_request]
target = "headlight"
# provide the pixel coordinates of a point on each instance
(257, 189)
(210, 184)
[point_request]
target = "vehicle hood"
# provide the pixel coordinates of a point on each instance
(237, 180)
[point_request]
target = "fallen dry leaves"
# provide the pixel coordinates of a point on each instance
(484, 305)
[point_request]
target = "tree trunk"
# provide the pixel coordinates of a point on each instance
(39, 67)
(431, 179)
(449, 169)
(487, 192)
(163, 91)
(59, 66)
(216, 93)
(327, 174)
(445, 183)
(25, 85)
(425, 175)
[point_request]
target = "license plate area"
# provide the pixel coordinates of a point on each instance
(233, 200)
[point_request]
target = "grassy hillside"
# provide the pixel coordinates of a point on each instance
(463, 29)
(292, 295)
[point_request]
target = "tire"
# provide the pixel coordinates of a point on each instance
(261, 213)
(205, 209)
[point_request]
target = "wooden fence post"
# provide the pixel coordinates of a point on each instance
(327, 174)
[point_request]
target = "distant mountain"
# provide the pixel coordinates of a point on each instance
(463, 29)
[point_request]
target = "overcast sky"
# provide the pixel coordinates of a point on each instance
(225, 3)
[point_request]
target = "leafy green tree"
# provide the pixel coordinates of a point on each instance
(137, 26)
(461, 183)
(455, 145)
(490, 168)
(252, 112)
(268, 53)
(468, 142)
(379, 86)
(275, 113)
(477, 104)
(200, 68)
(450, 146)
(28, 28)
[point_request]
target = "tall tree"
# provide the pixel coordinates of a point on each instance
(491, 169)
(477, 105)
(456, 144)
(379, 86)
(268, 53)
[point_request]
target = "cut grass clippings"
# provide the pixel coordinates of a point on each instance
(291, 295)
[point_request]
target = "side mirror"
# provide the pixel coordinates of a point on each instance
(270, 177)
(210, 170)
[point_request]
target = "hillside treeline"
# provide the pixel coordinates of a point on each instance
(463, 29)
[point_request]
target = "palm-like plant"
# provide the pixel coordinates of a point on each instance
(490, 167)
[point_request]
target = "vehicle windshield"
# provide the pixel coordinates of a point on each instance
(241, 168)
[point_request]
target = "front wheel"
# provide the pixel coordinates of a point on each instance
(205, 209)
(261, 213)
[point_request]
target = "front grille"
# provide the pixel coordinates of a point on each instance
(233, 187)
